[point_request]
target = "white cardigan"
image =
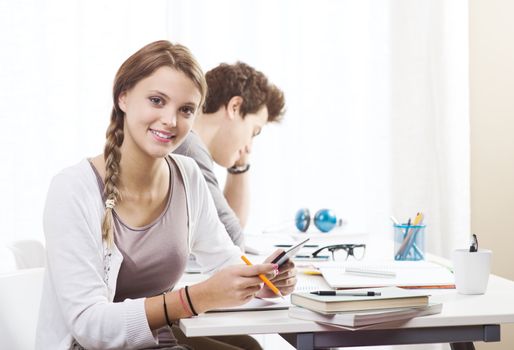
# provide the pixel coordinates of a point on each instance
(81, 274)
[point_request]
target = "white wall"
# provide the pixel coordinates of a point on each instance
(342, 144)
(492, 140)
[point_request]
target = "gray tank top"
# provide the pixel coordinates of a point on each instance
(155, 255)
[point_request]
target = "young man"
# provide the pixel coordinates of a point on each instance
(239, 102)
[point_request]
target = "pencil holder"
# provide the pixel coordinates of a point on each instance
(409, 242)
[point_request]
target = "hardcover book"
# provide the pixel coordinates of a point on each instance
(364, 318)
(390, 297)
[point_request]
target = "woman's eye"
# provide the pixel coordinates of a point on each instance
(156, 101)
(189, 111)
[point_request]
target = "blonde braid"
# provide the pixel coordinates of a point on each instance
(140, 65)
(112, 157)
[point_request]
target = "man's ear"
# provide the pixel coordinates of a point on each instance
(122, 103)
(234, 106)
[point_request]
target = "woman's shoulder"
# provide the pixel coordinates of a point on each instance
(79, 176)
(74, 190)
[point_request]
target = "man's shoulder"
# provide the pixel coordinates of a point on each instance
(193, 147)
(188, 167)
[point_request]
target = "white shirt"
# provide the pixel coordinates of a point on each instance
(81, 274)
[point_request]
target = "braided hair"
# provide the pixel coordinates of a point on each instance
(137, 67)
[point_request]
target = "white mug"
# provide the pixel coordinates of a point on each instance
(471, 270)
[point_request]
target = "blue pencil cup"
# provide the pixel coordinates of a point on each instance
(409, 242)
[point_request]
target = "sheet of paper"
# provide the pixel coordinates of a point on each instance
(257, 304)
(408, 274)
(311, 283)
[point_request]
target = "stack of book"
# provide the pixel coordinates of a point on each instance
(362, 307)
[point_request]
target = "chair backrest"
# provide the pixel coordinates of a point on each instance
(20, 296)
(28, 253)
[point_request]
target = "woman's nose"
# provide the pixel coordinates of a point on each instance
(169, 118)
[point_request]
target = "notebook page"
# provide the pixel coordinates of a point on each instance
(408, 273)
(257, 304)
(311, 283)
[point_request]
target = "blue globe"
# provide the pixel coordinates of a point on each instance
(302, 219)
(325, 220)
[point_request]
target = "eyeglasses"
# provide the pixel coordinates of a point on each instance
(343, 251)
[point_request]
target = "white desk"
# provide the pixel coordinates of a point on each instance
(464, 319)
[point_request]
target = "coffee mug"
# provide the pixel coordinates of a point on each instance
(471, 270)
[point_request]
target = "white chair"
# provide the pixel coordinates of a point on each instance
(28, 254)
(7, 260)
(20, 295)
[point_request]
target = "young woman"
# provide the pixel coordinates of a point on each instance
(119, 227)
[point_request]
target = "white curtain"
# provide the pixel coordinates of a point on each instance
(377, 102)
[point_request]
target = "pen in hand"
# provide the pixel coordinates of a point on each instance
(350, 294)
(264, 279)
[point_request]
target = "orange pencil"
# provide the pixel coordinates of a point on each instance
(264, 278)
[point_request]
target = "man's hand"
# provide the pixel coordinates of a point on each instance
(243, 159)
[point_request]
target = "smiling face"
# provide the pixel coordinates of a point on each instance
(234, 138)
(159, 112)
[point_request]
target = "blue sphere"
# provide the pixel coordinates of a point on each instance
(325, 220)
(302, 219)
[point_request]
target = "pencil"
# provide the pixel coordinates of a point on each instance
(264, 278)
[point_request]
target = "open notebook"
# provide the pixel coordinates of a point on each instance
(409, 274)
(257, 304)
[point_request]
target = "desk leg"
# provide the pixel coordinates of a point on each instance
(462, 346)
(301, 341)
(490, 333)
(305, 341)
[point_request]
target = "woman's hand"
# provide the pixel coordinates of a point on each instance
(231, 286)
(285, 281)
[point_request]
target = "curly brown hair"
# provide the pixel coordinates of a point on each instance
(239, 79)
